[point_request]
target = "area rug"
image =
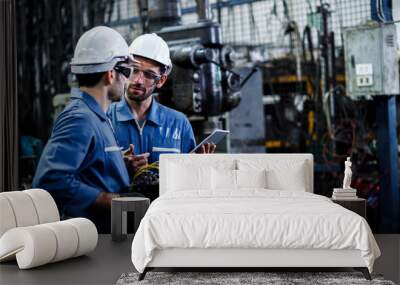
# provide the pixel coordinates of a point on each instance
(244, 278)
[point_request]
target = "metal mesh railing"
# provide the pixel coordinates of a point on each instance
(256, 22)
(125, 19)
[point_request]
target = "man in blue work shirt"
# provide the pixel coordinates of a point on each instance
(143, 125)
(82, 165)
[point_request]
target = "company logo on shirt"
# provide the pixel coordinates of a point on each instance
(174, 133)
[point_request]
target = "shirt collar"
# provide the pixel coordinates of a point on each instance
(124, 112)
(154, 114)
(90, 102)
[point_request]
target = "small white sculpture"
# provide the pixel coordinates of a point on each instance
(347, 174)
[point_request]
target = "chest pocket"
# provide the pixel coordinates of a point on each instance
(115, 167)
(165, 149)
(156, 151)
(113, 156)
(167, 141)
(112, 148)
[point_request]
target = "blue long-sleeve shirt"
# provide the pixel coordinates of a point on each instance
(81, 158)
(164, 131)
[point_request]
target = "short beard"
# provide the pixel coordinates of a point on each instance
(114, 96)
(139, 98)
(116, 91)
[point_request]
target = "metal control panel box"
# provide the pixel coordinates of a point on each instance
(371, 59)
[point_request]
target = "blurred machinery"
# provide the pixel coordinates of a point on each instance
(302, 88)
(372, 69)
(202, 82)
(246, 122)
(317, 107)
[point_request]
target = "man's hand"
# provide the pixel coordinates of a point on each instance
(103, 200)
(133, 161)
(207, 148)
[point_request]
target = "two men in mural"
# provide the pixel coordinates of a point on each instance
(98, 150)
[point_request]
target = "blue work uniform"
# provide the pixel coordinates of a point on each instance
(164, 131)
(81, 158)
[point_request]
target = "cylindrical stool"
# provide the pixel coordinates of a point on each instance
(119, 207)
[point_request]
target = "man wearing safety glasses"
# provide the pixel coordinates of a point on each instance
(144, 127)
(82, 166)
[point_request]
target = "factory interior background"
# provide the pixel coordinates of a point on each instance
(275, 73)
(291, 96)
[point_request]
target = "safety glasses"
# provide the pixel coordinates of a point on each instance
(148, 75)
(124, 70)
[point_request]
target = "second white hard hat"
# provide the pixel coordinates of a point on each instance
(98, 50)
(153, 47)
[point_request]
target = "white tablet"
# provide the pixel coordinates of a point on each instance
(215, 137)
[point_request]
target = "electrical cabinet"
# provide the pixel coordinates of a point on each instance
(371, 60)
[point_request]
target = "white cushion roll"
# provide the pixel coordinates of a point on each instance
(67, 239)
(45, 206)
(34, 246)
(7, 217)
(87, 235)
(23, 207)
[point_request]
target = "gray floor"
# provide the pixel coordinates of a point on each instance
(110, 260)
(389, 262)
(103, 266)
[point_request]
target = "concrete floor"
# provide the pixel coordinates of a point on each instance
(102, 266)
(106, 264)
(389, 262)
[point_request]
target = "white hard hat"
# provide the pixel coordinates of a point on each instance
(153, 47)
(98, 50)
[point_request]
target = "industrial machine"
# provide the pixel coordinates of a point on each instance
(372, 72)
(202, 81)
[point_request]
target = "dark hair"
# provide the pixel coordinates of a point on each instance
(163, 68)
(90, 79)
